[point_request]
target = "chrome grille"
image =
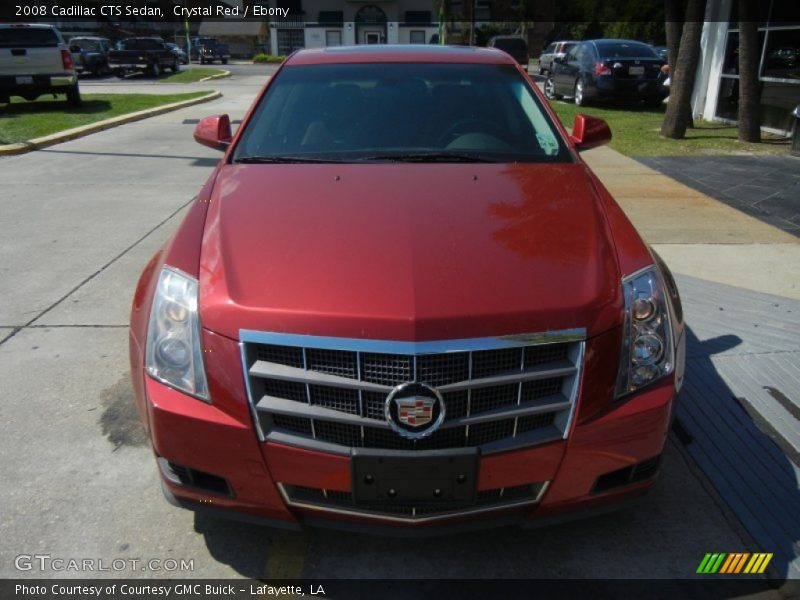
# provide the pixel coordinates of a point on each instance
(330, 393)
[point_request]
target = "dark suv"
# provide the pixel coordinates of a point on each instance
(608, 70)
(514, 45)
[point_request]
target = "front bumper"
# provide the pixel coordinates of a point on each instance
(219, 440)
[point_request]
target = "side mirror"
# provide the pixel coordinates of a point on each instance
(214, 132)
(589, 132)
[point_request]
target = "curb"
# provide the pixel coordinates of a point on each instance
(78, 132)
(217, 76)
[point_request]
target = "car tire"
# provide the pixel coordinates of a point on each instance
(155, 69)
(120, 73)
(176, 67)
(224, 61)
(74, 96)
(202, 61)
(654, 102)
(579, 93)
(5, 100)
(550, 89)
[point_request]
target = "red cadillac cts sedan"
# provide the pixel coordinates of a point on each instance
(403, 303)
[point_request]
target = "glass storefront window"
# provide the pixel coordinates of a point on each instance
(782, 55)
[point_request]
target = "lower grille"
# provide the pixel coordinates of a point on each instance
(330, 394)
(343, 502)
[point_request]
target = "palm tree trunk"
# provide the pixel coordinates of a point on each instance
(749, 101)
(679, 113)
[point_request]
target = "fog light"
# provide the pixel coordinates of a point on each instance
(647, 349)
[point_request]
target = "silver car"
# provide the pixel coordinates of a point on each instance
(554, 50)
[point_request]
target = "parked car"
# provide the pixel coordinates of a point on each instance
(35, 60)
(554, 50)
(90, 55)
(209, 49)
(144, 55)
(597, 70)
(514, 45)
(433, 323)
(663, 52)
(183, 58)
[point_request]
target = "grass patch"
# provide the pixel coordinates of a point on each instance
(191, 75)
(635, 132)
(21, 121)
(268, 58)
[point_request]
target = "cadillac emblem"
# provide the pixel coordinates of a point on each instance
(414, 410)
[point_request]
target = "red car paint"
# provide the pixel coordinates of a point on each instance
(443, 251)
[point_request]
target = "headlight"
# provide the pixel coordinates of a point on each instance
(173, 352)
(647, 347)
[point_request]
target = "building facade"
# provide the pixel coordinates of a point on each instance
(716, 93)
(321, 23)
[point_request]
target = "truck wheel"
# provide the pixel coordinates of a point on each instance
(74, 96)
(176, 67)
(202, 60)
(224, 61)
(155, 69)
(120, 73)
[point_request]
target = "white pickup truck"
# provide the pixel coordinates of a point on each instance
(34, 60)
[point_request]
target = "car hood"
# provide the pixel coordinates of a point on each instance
(407, 251)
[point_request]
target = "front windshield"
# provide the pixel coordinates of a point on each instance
(397, 111)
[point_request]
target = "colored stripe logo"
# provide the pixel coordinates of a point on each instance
(734, 563)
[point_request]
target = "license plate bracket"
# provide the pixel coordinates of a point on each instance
(426, 476)
(24, 80)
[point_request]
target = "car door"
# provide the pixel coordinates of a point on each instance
(567, 71)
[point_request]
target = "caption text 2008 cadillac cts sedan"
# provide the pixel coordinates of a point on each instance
(402, 303)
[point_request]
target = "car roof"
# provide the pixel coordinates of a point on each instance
(400, 53)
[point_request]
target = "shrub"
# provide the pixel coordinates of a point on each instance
(267, 58)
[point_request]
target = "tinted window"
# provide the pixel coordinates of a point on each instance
(625, 50)
(141, 44)
(355, 111)
(27, 37)
(92, 45)
(572, 54)
(566, 46)
(550, 49)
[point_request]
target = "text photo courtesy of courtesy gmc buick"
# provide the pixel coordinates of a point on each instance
(403, 303)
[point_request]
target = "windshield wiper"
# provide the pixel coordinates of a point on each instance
(433, 157)
(281, 159)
